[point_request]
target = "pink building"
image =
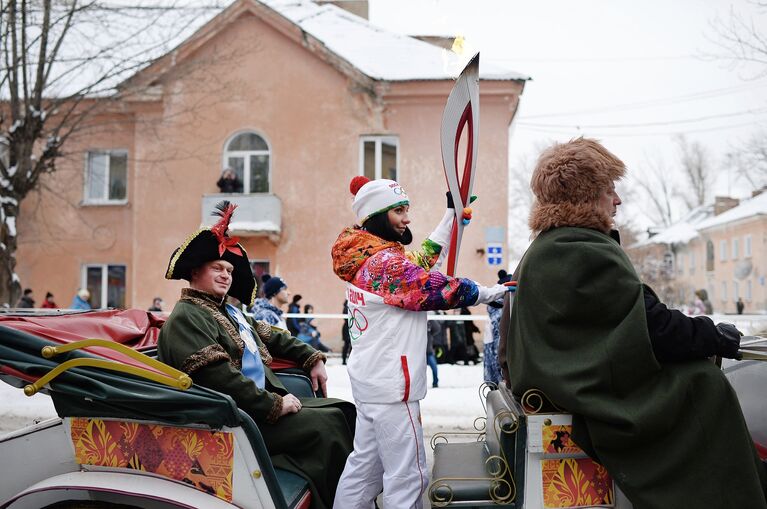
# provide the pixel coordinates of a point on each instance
(297, 98)
(721, 248)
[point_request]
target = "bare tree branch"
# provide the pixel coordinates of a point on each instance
(653, 182)
(697, 168)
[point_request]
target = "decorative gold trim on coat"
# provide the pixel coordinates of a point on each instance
(204, 357)
(313, 359)
(208, 302)
(263, 329)
(276, 410)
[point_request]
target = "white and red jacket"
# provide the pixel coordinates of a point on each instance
(389, 292)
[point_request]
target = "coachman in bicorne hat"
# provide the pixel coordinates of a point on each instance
(223, 349)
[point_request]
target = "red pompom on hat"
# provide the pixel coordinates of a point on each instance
(356, 183)
(372, 197)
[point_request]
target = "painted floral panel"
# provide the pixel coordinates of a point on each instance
(201, 458)
(576, 482)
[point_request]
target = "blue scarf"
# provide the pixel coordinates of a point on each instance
(252, 365)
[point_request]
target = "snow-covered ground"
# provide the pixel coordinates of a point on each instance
(453, 406)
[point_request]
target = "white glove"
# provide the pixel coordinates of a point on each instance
(441, 234)
(490, 294)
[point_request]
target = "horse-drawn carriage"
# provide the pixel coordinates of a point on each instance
(133, 432)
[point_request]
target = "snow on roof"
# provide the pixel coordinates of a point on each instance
(378, 53)
(109, 45)
(702, 218)
(748, 208)
(682, 231)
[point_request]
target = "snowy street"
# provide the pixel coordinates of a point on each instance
(453, 406)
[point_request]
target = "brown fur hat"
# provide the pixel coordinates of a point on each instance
(567, 183)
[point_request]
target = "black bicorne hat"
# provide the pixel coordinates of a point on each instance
(213, 243)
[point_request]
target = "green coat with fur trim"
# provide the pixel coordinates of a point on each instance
(672, 435)
(200, 339)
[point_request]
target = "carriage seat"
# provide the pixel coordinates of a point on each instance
(480, 473)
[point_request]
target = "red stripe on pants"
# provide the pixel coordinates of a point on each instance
(406, 372)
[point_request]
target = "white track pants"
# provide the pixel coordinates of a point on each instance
(388, 454)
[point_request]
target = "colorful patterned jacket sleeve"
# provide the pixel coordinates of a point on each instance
(427, 256)
(392, 275)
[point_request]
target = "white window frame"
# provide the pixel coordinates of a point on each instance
(722, 250)
(747, 246)
(735, 248)
(247, 154)
(105, 201)
(379, 139)
(104, 279)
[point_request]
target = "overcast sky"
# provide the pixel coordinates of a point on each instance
(632, 74)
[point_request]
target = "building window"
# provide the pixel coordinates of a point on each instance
(379, 157)
(248, 155)
(259, 268)
(692, 262)
(106, 284)
(724, 291)
(680, 264)
(722, 250)
(106, 177)
(747, 246)
(735, 290)
(735, 248)
(749, 290)
(709, 256)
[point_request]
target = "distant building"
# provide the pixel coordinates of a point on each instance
(721, 248)
(297, 98)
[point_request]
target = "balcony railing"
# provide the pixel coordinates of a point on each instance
(258, 214)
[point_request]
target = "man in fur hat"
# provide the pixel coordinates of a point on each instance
(646, 402)
(221, 348)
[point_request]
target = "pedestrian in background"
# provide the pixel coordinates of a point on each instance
(80, 300)
(156, 305)
(433, 331)
(308, 332)
(294, 307)
(347, 339)
(26, 300)
(492, 336)
(49, 303)
(268, 307)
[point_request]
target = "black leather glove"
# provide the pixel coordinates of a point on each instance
(729, 341)
(450, 203)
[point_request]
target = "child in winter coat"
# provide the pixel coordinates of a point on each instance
(389, 291)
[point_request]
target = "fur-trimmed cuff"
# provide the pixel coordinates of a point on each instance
(276, 410)
(314, 359)
(204, 357)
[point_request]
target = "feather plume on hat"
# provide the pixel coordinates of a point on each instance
(214, 243)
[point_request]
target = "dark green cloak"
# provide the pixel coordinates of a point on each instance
(672, 435)
(199, 338)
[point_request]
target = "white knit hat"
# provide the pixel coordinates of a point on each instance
(372, 197)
